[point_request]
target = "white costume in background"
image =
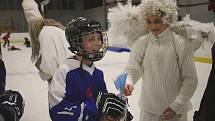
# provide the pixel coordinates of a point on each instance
(31, 11)
(53, 44)
(53, 49)
(153, 59)
(131, 25)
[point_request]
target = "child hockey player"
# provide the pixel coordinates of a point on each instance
(78, 91)
(6, 39)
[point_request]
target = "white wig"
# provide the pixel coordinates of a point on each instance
(165, 8)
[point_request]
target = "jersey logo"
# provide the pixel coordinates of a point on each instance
(89, 92)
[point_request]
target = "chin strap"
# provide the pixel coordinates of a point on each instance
(81, 68)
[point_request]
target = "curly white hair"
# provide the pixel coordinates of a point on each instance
(167, 9)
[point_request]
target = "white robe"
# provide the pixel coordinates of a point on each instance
(164, 82)
(53, 50)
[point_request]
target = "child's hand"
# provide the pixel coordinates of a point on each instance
(128, 89)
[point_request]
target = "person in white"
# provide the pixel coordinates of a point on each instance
(49, 45)
(124, 31)
(164, 62)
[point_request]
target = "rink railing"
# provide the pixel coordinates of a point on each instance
(196, 58)
(199, 57)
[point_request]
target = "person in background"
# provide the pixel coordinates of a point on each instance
(6, 39)
(49, 45)
(12, 48)
(27, 43)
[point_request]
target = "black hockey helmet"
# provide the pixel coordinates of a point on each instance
(80, 27)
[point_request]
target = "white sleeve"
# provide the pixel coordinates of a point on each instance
(196, 39)
(189, 34)
(57, 87)
(134, 64)
(188, 77)
(31, 10)
(132, 69)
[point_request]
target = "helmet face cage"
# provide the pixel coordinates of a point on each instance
(79, 29)
(77, 42)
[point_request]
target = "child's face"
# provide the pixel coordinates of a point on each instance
(92, 42)
(155, 24)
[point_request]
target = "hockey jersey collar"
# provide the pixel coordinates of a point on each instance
(76, 64)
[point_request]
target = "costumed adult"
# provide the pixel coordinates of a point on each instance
(49, 45)
(163, 60)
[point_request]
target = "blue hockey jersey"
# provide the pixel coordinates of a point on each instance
(71, 92)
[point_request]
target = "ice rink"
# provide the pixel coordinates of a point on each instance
(22, 76)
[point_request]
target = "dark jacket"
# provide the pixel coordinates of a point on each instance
(6, 37)
(2, 76)
(2, 73)
(207, 106)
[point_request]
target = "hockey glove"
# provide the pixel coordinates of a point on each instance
(110, 105)
(11, 105)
